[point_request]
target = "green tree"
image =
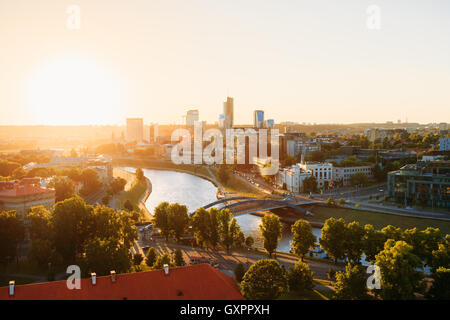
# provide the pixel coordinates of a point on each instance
(373, 242)
(265, 280)
(72, 221)
(271, 228)
(201, 226)
(137, 259)
(102, 256)
(310, 184)
(12, 233)
(178, 258)
(128, 205)
(441, 256)
(140, 174)
(109, 224)
(40, 252)
(391, 232)
(117, 185)
(19, 173)
(106, 199)
(214, 227)
(64, 188)
(303, 238)
(440, 288)
(178, 220)
(161, 219)
(91, 183)
(300, 278)
(40, 223)
(354, 242)
(431, 238)
(249, 241)
(359, 179)
(332, 239)
(351, 284)
(398, 267)
(162, 260)
(7, 167)
(152, 255)
(228, 228)
(239, 272)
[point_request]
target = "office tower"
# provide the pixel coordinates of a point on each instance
(258, 119)
(228, 110)
(269, 123)
(191, 117)
(222, 121)
(153, 132)
(135, 129)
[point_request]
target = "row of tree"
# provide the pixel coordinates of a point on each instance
(210, 228)
(96, 238)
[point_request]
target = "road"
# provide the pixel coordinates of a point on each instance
(228, 261)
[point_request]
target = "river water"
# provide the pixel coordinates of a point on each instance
(195, 192)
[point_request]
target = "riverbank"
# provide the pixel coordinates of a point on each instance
(137, 192)
(378, 219)
(234, 185)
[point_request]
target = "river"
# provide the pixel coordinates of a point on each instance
(194, 192)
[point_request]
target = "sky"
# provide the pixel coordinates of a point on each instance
(298, 60)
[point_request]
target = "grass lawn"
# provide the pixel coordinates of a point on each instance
(134, 194)
(236, 185)
(378, 220)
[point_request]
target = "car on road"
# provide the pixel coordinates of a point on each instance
(211, 261)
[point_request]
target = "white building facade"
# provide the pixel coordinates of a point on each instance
(291, 178)
(323, 171)
(344, 174)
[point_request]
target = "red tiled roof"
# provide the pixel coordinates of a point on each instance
(197, 282)
(25, 190)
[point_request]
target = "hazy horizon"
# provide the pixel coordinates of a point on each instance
(299, 61)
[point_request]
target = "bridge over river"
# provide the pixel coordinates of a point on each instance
(245, 205)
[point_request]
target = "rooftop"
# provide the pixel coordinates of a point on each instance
(196, 282)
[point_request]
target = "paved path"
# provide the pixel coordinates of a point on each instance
(228, 261)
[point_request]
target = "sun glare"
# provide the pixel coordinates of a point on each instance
(74, 91)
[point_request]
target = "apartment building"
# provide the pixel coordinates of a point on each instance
(291, 178)
(22, 195)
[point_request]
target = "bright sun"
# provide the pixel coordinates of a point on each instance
(74, 91)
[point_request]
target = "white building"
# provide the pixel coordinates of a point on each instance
(323, 171)
(444, 144)
(344, 174)
(292, 178)
(135, 129)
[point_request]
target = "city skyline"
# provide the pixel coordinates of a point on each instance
(304, 62)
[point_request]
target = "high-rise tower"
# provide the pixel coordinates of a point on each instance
(228, 110)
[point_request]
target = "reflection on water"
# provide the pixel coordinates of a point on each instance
(250, 226)
(194, 192)
(183, 188)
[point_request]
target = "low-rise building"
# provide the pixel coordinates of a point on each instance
(194, 282)
(22, 195)
(425, 183)
(344, 174)
(291, 178)
(323, 171)
(444, 144)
